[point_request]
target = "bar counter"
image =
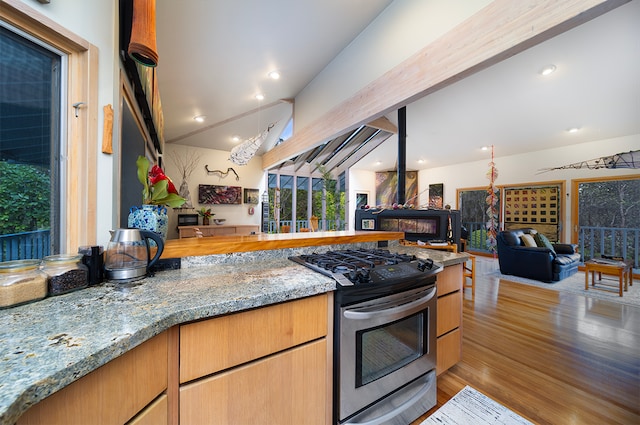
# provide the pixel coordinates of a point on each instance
(189, 247)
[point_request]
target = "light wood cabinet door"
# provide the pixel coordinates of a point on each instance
(449, 312)
(449, 351)
(449, 279)
(111, 394)
(153, 414)
(286, 388)
(213, 345)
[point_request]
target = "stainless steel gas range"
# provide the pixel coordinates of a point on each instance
(384, 334)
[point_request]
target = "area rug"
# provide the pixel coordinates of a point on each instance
(470, 406)
(575, 285)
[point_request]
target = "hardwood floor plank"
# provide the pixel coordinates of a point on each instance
(553, 358)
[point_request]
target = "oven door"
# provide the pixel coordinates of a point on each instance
(385, 344)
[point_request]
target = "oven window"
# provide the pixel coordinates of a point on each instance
(385, 349)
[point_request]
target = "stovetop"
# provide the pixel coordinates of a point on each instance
(368, 266)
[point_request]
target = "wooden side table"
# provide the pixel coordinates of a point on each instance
(622, 269)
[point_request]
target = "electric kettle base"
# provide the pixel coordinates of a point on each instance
(126, 274)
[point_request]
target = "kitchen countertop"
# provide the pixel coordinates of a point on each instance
(46, 345)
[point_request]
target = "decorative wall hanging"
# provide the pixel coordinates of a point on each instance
(221, 173)
(492, 210)
(211, 194)
(436, 194)
(387, 187)
(241, 154)
(251, 196)
(629, 159)
(142, 44)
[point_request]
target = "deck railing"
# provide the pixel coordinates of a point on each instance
(26, 245)
(614, 241)
(300, 224)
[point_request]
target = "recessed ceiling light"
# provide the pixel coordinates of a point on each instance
(236, 138)
(420, 161)
(547, 70)
(378, 162)
(485, 148)
(573, 130)
(199, 118)
(274, 75)
(260, 96)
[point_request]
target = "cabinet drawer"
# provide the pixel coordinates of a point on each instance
(449, 351)
(217, 344)
(449, 279)
(153, 414)
(287, 388)
(111, 394)
(449, 312)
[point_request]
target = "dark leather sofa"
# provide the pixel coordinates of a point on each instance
(549, 263)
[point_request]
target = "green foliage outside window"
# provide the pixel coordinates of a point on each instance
(25, 194)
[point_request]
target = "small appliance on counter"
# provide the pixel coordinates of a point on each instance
(93, 258)
(128, 255)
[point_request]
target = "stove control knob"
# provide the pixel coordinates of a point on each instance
(425, 264)
(365, 276)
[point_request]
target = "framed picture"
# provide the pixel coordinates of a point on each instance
(436, 192)
(251, 196)
(362, 199)
(211, 194)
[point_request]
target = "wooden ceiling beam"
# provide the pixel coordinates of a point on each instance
(498, 31)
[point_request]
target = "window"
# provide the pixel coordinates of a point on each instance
(70, 172)
(30, 89)
(607, 213)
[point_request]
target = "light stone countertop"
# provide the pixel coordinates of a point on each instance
(46, 345)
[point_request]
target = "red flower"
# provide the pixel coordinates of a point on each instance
(156, 174)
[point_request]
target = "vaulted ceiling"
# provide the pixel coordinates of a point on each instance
(215, 56)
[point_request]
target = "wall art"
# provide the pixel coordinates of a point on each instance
(212, 194)
(387, 188)
(251, 196)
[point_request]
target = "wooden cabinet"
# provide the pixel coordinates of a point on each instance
(153, 414)
(215, 230)
(269, 365)
(449, 326)
(111, 394)
(285, 388)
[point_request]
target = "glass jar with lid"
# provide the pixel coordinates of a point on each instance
(21, 281)
(65, 273)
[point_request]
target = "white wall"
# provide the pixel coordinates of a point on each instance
(360, 181)
(402, 29)
(251, 177)
(526, 168)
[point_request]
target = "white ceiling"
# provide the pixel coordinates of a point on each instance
(215, 56)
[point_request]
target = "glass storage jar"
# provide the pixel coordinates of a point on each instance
(65, 273)
(21, 281)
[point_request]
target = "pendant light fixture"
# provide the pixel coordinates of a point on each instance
(142, 45)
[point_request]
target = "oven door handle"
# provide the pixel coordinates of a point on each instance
(398, 310)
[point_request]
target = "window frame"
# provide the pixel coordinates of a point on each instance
(79, 207)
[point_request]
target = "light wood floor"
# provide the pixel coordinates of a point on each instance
(552, 358)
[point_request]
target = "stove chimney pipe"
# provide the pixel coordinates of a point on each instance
(402, 155)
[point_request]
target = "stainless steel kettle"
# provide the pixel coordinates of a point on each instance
(128, 254)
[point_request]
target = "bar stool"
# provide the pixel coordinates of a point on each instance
(469, 272)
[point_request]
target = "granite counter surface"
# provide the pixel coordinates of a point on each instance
(46, 345)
